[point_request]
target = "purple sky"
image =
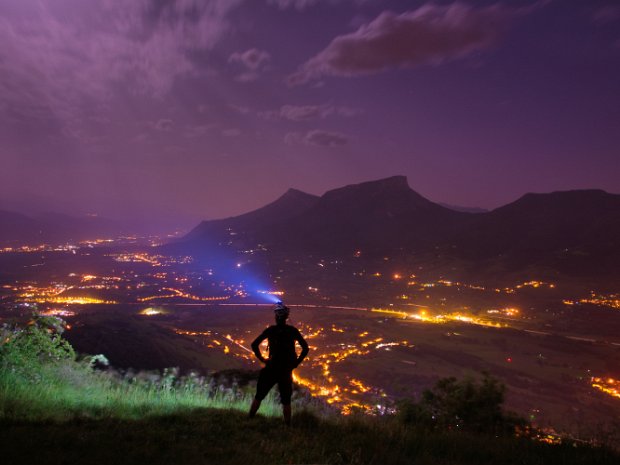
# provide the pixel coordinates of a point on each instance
(194, 109)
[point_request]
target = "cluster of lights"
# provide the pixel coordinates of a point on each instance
(448, 283)
(58, 312)
(327, 388)
(55, 295)
(278, 293)
(192, 333)
(40, 248)
(152, 311)
(177, 293)
(533, 284)
(612, 300)
(609, 386)
(68, 300)
(345, 398)
(32, 292)
(151, 259)
(425, 317)
(397, 276)
(91, 243)
(508, 311)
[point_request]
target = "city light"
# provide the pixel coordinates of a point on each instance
(151, 311)
(609, 386)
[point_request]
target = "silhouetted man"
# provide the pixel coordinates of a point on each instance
(282, 361)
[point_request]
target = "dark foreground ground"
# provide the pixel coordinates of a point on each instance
(222, 437)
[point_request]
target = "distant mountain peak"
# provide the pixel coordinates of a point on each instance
(393, 182)
(583, 193)
(290, 204)
(567, 200)
(295, 193)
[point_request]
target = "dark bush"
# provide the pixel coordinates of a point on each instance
(466, 405)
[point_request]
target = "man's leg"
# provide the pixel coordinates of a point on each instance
(286, 411)
(254, 407)
(285, 385)
(265, 382)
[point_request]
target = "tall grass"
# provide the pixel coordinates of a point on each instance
(65, 392)
(40, 379)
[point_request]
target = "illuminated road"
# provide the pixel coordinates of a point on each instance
(410, 318)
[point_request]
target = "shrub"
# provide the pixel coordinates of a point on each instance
(40, 342)
(466, 405)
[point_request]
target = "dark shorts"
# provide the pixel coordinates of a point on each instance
(268, 377)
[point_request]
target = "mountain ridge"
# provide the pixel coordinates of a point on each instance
(387, 216)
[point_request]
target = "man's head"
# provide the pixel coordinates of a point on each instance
(281, 312)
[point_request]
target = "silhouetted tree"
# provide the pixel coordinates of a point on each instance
(466, 405)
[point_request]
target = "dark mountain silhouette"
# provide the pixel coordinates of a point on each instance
(460, 208)
(15, 226)
(573, 230)
(374, 216)
(544, 221)
(282, 210)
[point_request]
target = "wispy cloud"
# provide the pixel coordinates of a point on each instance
(301, 113)
(303, 4)
(66, 59)
(317, 137)
(298, 4)
(253, 61)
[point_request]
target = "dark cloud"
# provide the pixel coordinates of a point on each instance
(317, 137)
(430, 35)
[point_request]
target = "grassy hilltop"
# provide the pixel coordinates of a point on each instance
(215, 436)
(55, 409)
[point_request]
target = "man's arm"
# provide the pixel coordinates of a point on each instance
(304, 347)
(256, 348)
